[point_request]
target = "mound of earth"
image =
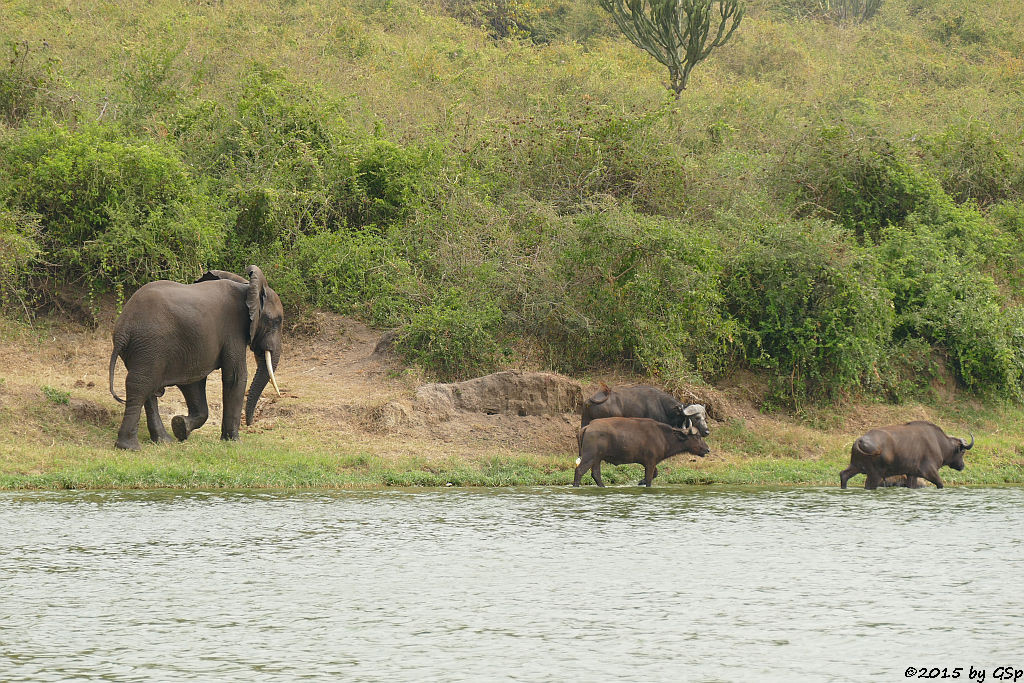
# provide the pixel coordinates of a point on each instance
(512, 392)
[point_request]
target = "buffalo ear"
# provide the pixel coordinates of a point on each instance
(221, 275)
(254, 299)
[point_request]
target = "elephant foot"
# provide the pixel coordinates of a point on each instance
(229, 437)
(162, 438)
(179, 428)
(128, 444)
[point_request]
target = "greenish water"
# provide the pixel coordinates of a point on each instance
(535, 584)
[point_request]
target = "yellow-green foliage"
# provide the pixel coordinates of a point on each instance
(379, 157)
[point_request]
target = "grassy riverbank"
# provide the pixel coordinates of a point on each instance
(262, 461)
(58, 423)
(327, 430)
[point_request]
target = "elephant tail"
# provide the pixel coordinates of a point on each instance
(113, 362)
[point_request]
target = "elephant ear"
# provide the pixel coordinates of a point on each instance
(254, 298)
(221, 275)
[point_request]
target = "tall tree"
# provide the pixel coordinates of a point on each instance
(678, 33)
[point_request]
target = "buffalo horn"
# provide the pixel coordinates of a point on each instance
(270, 369)
(968, 446)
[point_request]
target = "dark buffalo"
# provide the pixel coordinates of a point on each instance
(645, 401)
(621, 440)
(915, 449)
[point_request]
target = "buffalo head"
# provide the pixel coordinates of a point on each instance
(960, 446)
(692, 418)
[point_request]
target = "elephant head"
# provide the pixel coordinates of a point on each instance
(266, 317)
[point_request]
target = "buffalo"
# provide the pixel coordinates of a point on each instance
(915, 449)
(645, 401)
(621, 440)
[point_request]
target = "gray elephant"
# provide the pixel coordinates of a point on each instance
(173, 334)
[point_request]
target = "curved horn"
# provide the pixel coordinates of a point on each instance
(273, 380)
(968, 446)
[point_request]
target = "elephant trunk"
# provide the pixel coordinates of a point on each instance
(264, 373)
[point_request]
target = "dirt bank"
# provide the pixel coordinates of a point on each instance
(344, 393)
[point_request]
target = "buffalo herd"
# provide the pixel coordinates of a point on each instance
(645, 425)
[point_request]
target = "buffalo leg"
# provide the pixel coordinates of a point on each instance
(596, 471)
(846, 474)
(644, 482)
(933, 477)
(912, 482)
(198, 411)
(156, 426)
(581, 469)
(872, 481)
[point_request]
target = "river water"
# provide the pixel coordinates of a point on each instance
(545, 584)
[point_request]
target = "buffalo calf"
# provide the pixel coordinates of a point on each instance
(914, 449)
(621, 440)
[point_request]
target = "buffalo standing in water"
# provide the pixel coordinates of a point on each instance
(621, 440)
(915, 449)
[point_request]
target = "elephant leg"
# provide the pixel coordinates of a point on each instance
(198, 410)
(156, 426)
(234, 393)
(138, 389)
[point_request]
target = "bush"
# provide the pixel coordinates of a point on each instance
(940, 296)
(290, 166)
(453, 337)
(810, 310)
(614, 287)
(19, 234)
(864, 182)
(584, 151)
(972, 163)
(112, 210)
(28, 83)
(355, 274)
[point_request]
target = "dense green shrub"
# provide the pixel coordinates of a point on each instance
(939, 295)
(355, 273)
(290, 166)
(615, 287)
(973, 163)
(588, 149)
(455, 336)
(112, 209)
(19, 247)
(810, 309)
(863, 181)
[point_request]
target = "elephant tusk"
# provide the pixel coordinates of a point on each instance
(270, 369)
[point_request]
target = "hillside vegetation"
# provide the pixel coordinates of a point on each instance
(836, 205)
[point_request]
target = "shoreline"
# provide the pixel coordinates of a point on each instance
(205, 466)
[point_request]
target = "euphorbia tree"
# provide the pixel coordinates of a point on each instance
(678, 33)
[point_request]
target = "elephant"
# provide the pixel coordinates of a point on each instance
(174, 334)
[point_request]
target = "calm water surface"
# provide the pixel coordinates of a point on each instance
(527, 584)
